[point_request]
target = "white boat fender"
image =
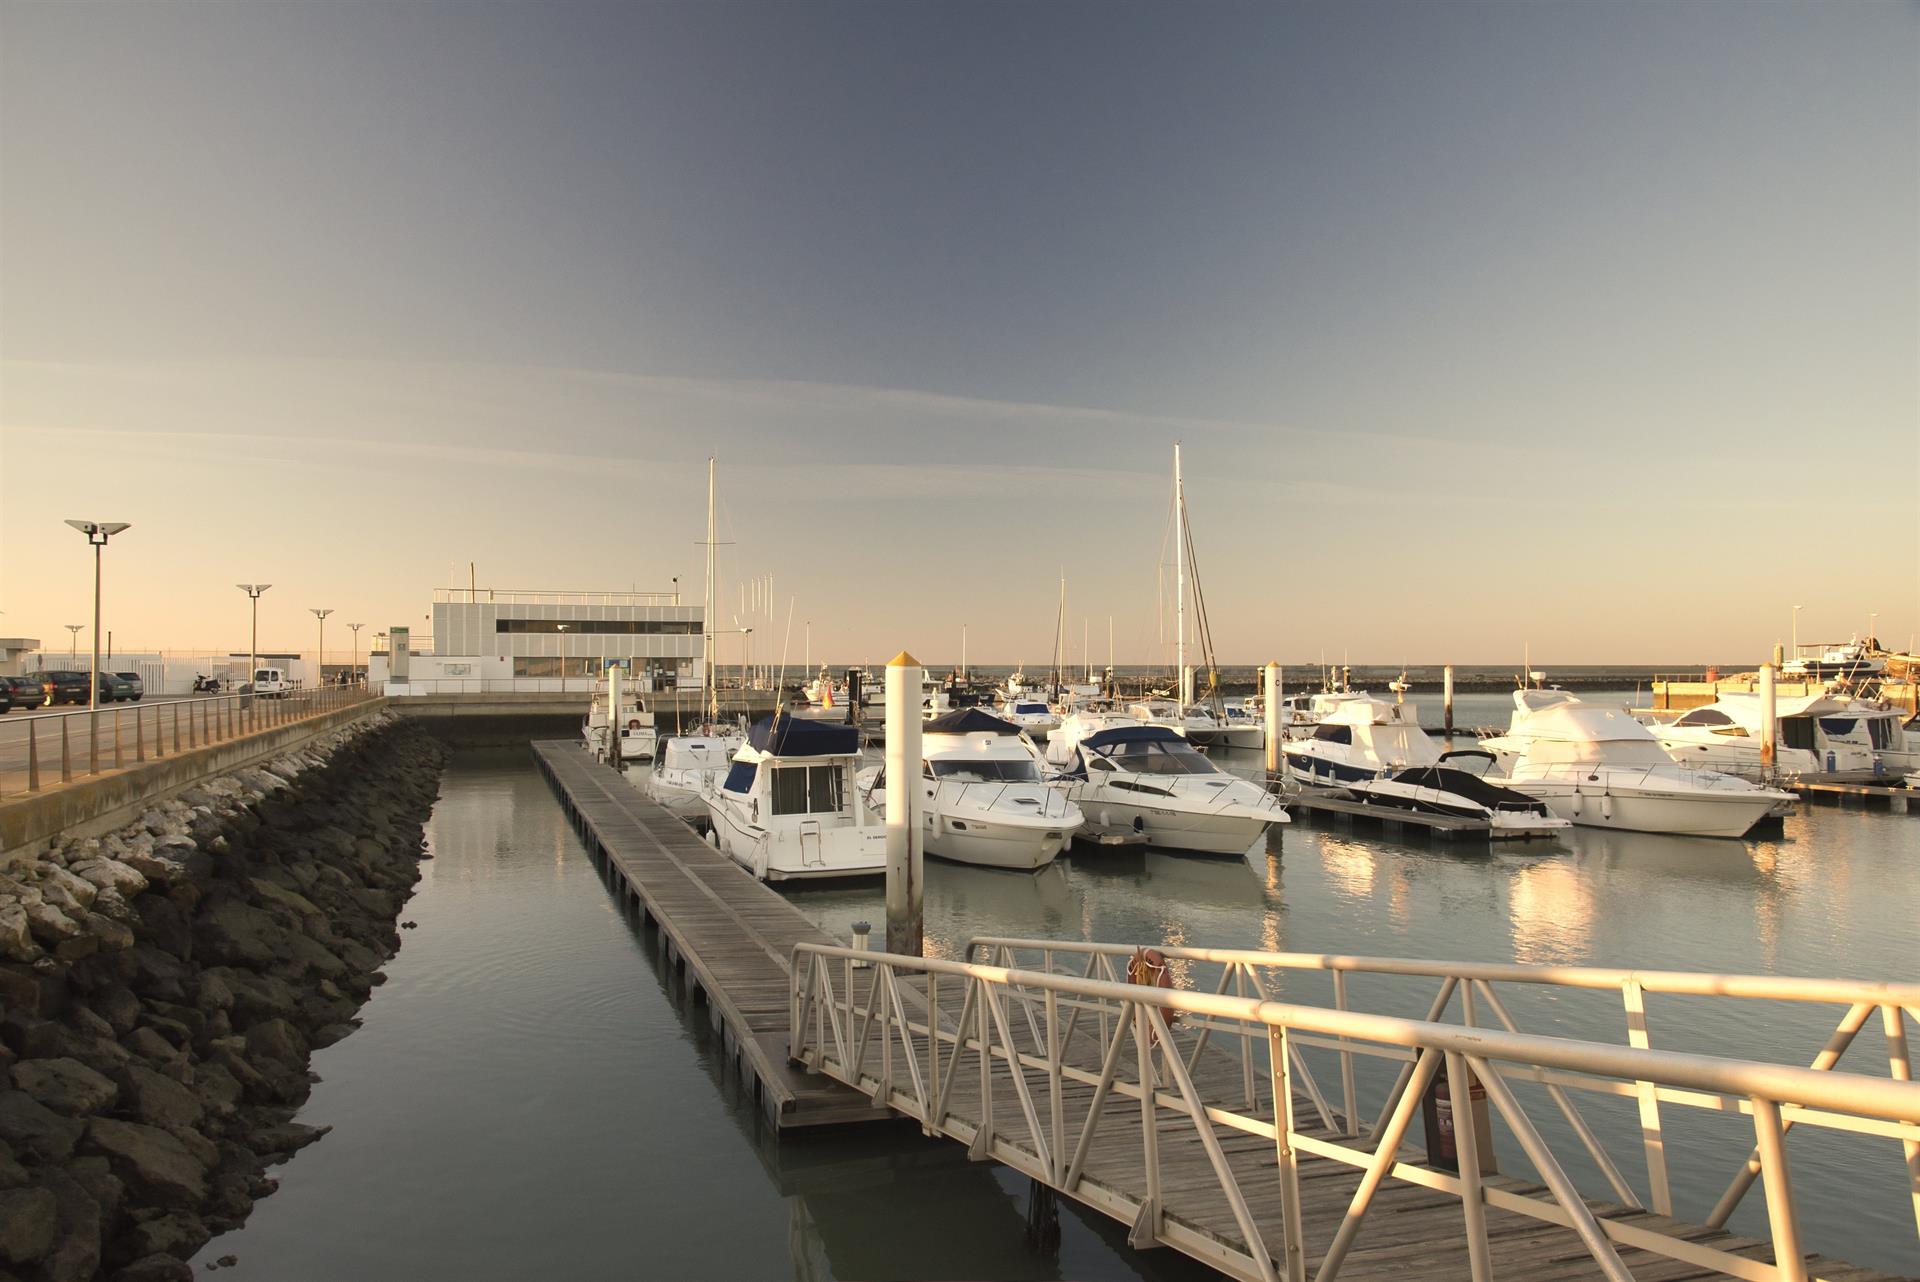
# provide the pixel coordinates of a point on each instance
(1606, 806)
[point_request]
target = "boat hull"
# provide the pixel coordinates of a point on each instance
(794, 854)
(1707, 815)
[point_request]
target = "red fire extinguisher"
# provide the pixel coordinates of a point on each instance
(1437, 1112)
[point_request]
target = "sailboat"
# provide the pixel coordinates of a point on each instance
(1203, 723)
(688, 768)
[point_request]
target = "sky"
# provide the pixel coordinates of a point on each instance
(1589, 330)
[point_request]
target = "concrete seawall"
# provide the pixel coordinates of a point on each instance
(89, 807)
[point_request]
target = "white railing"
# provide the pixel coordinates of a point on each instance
(538, 596)
(1067, 1031)
(49, 748)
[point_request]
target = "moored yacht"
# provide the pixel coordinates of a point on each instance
(1445, 789)
(688, 768)
(787, 808)
(1134, 780)
(1032, 715)
(1814, 734)
(1357, 737)
(985, 803)
(616, 705)
(1595, 765)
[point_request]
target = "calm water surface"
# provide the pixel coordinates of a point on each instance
(527, 1097)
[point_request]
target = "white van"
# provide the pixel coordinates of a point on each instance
(271, 682)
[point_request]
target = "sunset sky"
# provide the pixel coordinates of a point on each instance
(1592, 328)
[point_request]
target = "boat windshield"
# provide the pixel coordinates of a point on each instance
(1160, 757)
(988, 770)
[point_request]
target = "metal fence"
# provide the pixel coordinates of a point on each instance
(50, 748)
(1055, 1016)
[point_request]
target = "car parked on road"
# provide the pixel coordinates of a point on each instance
(133, 679)
(65, 686)
(114, 688)
(27, 691)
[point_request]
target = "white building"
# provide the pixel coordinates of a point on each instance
(498, 640)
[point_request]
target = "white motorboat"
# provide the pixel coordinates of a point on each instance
(1445, 789)
(688, 768)
(1851, 660)
(985, 802)
(1242, 726)
(787, 809)
(1032, 715)
(1595, 765)
(1195, 723)
(1814, 734)
(1358, 738)
(616, 704)
(1134, 780)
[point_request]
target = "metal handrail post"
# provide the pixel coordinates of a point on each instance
(1294, 1242)
(33, 755)
(1781, 1218)
(1146, 1226)
(139, 735)
(93, 741)
(1654, 1140)
(66, 754)
(118, 761)
(1467, 1146)
(1900, 1068)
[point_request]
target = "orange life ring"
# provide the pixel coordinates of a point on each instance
(1149, 966)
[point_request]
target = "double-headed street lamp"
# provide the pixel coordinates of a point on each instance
(320, 661)
(73, 641)
(253, 590)
(97, 532)
(353, 669)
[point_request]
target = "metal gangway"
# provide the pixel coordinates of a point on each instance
(1272, 1139)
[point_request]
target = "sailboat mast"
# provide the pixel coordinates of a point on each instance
(1179, 576)
(710, 686)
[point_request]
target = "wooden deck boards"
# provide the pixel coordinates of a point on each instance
(730, 934)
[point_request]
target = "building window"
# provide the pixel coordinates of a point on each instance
(601, 627)
(524, 666)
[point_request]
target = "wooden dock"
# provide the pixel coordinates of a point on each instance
(1816, 788)
(727, 933)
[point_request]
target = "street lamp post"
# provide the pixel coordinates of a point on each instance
(562, 630)
(73, 643)
(320, 660)
(97, 532)
(253, 591)
(353, 669)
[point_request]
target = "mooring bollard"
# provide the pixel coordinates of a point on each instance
(905, 884)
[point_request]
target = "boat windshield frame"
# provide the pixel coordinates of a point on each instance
(1157, 757)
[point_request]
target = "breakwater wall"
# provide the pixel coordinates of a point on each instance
(163, 985)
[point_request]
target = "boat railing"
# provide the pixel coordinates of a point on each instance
(1041, 1027)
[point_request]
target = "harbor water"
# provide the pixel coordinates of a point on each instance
(529, 1097)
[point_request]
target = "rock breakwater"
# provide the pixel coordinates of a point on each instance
(162, 987)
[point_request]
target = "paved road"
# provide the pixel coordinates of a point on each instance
(20, 714)
(44, 725)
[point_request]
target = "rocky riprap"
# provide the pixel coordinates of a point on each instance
(162, 987)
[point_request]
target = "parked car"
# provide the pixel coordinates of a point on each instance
(133, 679)
(271, 683)
(114, 688)
(65, 686)
(29, 691)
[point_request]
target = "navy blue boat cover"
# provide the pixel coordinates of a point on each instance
(784, 736)
(969, 721)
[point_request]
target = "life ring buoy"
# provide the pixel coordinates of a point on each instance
(1149, 966)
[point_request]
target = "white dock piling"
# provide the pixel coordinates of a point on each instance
(906, 884)
(614, 753)
(1446, 700)
(1769, 723)
(1271, 702)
